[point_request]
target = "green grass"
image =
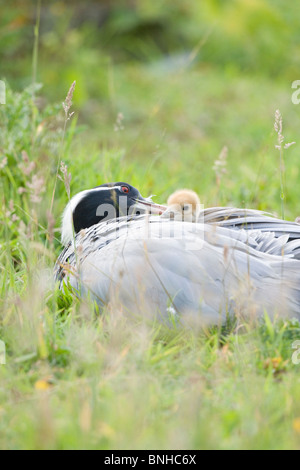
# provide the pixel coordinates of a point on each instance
(75, 379)
(107, 382)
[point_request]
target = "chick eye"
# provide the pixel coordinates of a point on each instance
(185, 208)
(125, 189)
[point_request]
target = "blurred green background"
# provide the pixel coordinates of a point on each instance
(161, 89)
(188, 78)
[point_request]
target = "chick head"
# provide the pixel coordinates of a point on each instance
(183, 204)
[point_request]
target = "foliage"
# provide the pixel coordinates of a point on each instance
(161, 90)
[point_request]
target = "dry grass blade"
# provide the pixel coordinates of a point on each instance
(278, 126)
(65, 177)
(66, 106)
(220, 165)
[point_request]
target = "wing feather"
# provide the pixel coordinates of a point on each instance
(204, 271)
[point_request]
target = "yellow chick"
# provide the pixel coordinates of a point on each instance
(184, 205)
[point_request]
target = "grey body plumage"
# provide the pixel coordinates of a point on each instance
(232, 261)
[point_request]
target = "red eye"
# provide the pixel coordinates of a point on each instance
(125, 189)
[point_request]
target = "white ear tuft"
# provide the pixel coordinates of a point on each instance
(67, 229)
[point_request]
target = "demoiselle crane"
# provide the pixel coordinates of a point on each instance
(121, 252)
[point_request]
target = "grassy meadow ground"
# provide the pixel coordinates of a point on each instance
(73, 379)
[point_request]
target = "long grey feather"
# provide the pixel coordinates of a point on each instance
(210, 271)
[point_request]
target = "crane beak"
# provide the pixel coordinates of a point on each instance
(149, 206)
